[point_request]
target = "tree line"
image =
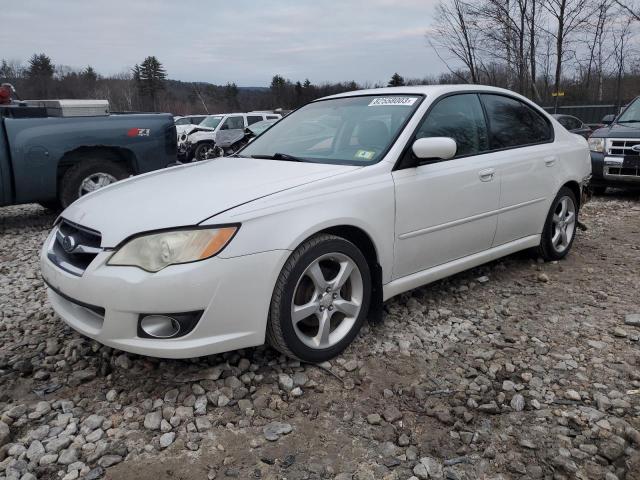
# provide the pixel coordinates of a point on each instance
(146, 87)
(587, 50)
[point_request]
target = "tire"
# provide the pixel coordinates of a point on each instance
(295, 287)
(89, 169)
(599, 190)
(554, 245)
(200, 153)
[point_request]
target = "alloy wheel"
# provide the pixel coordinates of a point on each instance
(564, 224)
(95, 182)
(327, 300)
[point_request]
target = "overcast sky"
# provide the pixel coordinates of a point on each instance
(242, 41)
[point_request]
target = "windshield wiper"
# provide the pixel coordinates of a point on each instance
(279, 156)
(629, 121)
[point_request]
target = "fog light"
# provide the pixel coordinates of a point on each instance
(167, 325)
(160, 326)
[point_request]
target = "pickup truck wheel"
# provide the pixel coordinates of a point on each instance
(87, 176)
(560, 227)
(320, 300)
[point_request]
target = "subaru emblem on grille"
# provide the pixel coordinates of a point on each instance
(636, 148)
(68, 243)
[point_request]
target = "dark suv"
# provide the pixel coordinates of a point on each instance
(615, 151)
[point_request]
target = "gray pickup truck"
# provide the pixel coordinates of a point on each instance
(54, 152)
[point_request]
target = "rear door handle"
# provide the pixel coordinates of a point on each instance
(550, 161)
(487, 174)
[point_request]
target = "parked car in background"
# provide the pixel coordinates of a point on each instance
(573, 124)
(54, 151)
(186, 123)
(615, 151)
(298, 238)
(199, 143)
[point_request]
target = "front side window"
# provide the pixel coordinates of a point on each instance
(348, 130)
(459, 117)
(233, 123)
(512, 123)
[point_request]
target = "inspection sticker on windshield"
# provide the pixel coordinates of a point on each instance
(364, 154)
(392, 101)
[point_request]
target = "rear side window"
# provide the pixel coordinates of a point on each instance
(459, 117)
(512, 123)
(251, 119)
(272, 117)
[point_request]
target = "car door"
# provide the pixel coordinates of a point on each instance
(447, 210)
(522, 141)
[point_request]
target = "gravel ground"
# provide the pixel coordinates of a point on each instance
(517, 369)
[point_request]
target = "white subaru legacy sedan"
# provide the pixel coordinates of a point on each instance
(304, 233)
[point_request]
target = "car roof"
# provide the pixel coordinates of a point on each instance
(429, 90)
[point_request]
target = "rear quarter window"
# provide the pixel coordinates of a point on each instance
(513, 123)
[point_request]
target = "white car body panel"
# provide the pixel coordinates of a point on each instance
(216, 185)
(424, 222)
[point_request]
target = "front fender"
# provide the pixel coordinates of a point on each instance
(283, 221)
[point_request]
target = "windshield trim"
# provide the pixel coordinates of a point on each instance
(383, 154)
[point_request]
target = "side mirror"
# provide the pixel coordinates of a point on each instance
(434, 148)
(608, 119)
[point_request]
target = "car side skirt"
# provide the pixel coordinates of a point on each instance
(439, 272)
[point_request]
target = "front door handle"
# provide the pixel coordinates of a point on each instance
(550, 161)
(487, 174)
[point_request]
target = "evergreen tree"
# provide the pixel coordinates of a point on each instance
(40, 73)
(149, 78)
(396, 81)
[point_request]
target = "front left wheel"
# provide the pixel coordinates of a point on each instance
(320, 300)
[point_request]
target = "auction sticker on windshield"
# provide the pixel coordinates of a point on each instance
(392, 101)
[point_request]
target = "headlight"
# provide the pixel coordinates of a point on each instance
(158, 250)
(597, 144)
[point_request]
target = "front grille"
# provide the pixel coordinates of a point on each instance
(624, 147)
(73, 247)
(622, 171)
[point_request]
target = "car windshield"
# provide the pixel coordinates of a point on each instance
(211, 122)
(348, 130)
(632, 113)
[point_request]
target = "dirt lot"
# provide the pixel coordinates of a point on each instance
(516, 369)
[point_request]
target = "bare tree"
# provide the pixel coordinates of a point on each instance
(455, 31)
(569, 16)
(622, 34)
(631, 8)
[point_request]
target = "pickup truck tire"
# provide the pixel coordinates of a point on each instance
(97, 172)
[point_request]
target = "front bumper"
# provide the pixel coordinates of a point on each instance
(610, 170)
(106, 301)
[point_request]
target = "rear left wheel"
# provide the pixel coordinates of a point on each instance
(320, 300)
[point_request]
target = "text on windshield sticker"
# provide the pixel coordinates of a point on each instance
(392, 101)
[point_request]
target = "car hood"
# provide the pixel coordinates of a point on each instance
(189, 194)
(618, 130)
